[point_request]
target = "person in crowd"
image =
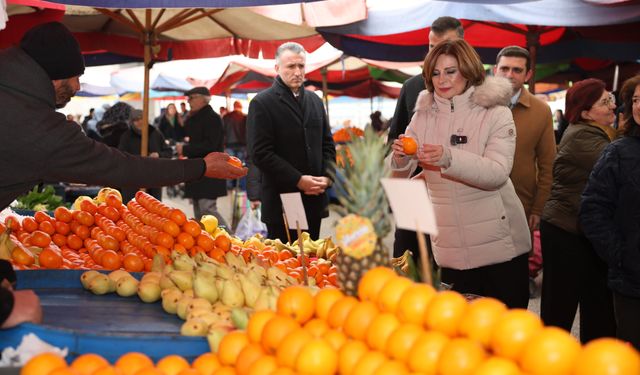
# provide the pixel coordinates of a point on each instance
(16, 306)
(114, 123)
(561, 124)
(290, 142)
(573, 274)
(204, 130)
(223, 111)
(86, 119)
(235, 136)
(483, 239)
(535, 144)
(443, 28)
(171, 124)
(92, 124)
(609, 215)
(130, 142)
(42, 74)
(378, 124)
(184, 112)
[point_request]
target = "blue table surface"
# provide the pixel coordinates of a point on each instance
(109, 324)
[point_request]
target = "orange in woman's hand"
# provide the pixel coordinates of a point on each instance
(235, 161)
(409, 145)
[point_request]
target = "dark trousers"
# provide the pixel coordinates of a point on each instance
(278, 230)
(506, 281)
(573, 275)
(627, 311)
(408, 240)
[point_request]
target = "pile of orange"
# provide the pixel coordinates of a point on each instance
(401, 327)
(131, 363)
(413, 331)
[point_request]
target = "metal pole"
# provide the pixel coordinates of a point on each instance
(533, 41)
(616, 77)
(325, 90)
(144, 144)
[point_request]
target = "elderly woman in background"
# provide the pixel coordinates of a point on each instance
(466, 137)
(573, 273)
(610, 215)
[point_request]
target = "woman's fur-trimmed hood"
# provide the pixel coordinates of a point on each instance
(494, 91)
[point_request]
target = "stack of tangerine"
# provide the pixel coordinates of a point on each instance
(116, 236)
(396, 327)
(401, 327)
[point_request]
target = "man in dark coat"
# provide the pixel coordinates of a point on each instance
(40, 75)
(203, 127)
(290, 142)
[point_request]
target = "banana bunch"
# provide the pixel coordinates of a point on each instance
(406, 265)
(6, 244)
(321, 248)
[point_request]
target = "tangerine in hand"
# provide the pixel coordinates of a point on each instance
(235, 161)
(409, 145)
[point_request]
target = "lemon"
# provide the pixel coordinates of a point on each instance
(102, 194)
(210, 223)
(76, 204)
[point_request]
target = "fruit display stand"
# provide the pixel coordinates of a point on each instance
(110, 325)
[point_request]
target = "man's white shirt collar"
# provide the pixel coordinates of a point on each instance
(515, 98)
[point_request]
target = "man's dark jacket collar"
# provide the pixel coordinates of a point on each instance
(286, 95)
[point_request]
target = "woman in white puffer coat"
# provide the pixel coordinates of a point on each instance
(467, 139)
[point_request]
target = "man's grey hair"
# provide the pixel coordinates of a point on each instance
(294, 47)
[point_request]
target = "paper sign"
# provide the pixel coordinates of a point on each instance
(411, 205)
(294, 209)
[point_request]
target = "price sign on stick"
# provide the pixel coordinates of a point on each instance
(296, 218)
(294, 210)
(413, 210)
(411, 205)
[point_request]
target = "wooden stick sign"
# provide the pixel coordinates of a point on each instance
(293, 212)
(413, 210)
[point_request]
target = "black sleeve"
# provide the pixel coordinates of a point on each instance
(77, 158)
(7, 272)
(400, 118)
(254, 181)
(213, 137)
(599, 205)
(6, 304)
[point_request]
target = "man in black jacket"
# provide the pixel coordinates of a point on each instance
(290, 142)
(40, 75)
(203, 127)
(40, 144)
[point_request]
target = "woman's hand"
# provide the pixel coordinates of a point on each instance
(429, 154)
(398, 148)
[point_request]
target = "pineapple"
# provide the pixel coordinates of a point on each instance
(358, 188)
